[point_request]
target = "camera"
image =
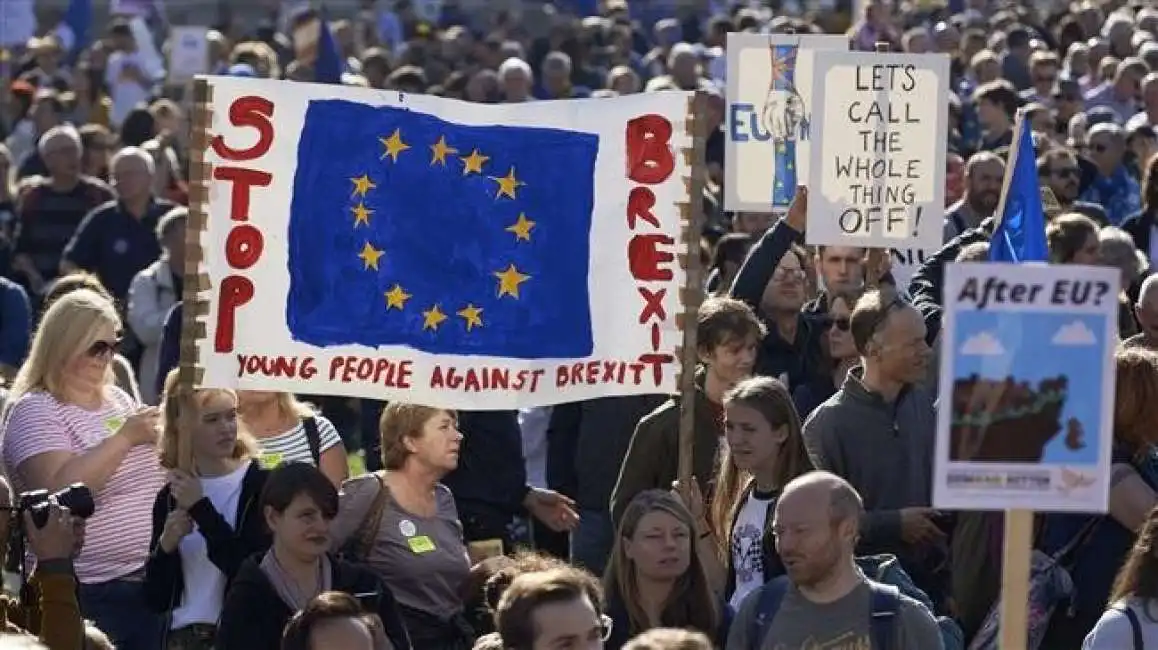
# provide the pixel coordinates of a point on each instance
(76, 497)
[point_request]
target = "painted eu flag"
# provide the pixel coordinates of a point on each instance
(406, 229)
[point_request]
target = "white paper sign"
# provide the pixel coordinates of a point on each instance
(409, 247)
(880, 132)
(188, 53)
(770, 117)
(1027, 387)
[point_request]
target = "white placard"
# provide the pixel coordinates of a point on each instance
(459, 255)
(769, 117)
(1027, 387)
(877, 176)
(188, 53)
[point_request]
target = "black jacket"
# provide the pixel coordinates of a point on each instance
(770, 557)
(928, 283)
(490, 481)
(1139, 225)
(227, 548)
(798, 359)
(254, 615)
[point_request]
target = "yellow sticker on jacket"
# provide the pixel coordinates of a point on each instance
(270, 460)
(420, 544)
(114, 424)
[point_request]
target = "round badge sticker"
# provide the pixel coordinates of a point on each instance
(407, 528)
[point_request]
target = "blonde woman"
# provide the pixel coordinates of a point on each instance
(288, 430)
(656, 575)
(207, 520)
(411, 524)
(66, 422)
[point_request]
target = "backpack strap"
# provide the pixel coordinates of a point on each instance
(885, 603)
(770, 596)
(314, 438)
(1135, 625)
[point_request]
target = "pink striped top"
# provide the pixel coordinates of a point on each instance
(116, 540)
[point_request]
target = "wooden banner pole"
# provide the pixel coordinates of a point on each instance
(1015, 565)
(692, 294)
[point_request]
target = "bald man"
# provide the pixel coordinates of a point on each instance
(827, 601)
(1146, 313)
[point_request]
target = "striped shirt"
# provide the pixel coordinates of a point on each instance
(116, 540)
(293, 446)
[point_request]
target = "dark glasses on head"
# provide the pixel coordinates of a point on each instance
(103, 348)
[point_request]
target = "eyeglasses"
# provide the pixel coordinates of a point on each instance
(842, 324)
(103, 348)
(1067, 172)
(793, 275)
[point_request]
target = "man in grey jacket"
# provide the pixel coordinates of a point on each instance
(878, 432)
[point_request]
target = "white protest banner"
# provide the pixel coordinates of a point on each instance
(1027, 386)
(878, 152)
(408, 247)
(188, 53)
(769, 117)
(905, 263)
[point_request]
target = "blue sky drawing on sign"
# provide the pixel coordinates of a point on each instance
(1031, 347)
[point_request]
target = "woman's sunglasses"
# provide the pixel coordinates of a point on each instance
(842, 324)
(103, 348)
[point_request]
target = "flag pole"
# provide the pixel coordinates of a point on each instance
(693, 290)
(1019, 122)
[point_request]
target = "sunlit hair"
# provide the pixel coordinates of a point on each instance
(66, 284)
(1138, 577)
(400, 422)
(666, 638)
(691, 602)
(68, 329)
(1136, 398)
(770, 398)
(183, 410)
(288, 405)
(324, 608)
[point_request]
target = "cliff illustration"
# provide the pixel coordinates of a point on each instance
(1009, 421)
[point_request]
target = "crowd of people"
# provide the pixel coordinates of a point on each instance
(245, 520)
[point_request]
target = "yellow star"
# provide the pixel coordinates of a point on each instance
(472, 315)
(473, 162)
(362, 184)
(394, 145)
(370, 257)
(361, 214)
(396, 297)
(522, 228)
(432, 318)
(507, 184)
(439, 150)
(509, 281)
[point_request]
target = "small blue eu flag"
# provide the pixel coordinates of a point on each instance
(1020, 235)
(407, 229)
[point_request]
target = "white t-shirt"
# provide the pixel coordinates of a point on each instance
(293, 446)
(748, 545)
(126, 94)
(204, 582)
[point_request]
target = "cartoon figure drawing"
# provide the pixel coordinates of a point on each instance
(785, 118)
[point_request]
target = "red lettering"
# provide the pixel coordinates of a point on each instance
(254, 112)
(653, 304)
(656, 361)
(392, 374)
(243, 246)
(235, 291)
(243, 181)
(639, 205)
(644, 258)
(649, 158)
(654, 336)
(277, 366)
